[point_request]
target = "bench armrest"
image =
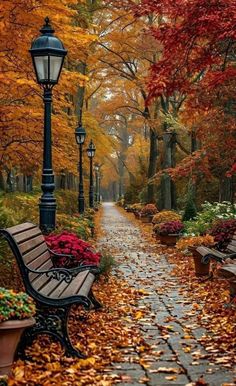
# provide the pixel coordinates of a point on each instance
(60, 254)
(55, 273)
(206, 258)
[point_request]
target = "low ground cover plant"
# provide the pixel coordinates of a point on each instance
(223, 231)
(15, 305)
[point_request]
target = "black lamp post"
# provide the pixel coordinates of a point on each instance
(91, 153)
(96, 167)
(48, 55)
(80, 135)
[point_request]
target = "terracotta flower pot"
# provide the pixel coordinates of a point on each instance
(169, 240)
(201, 269)
(10, 333)
(146, 219)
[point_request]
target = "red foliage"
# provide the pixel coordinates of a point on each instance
(171, 227)
(69, 243)
(223, 232)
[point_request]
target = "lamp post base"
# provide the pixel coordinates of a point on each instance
(47, 214)
(81, 204)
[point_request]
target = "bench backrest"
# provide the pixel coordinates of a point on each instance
(231, 247)
(29, 247)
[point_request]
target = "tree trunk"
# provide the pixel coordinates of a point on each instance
(2, 184)
(226, 192)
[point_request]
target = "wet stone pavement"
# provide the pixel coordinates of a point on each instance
(168, 325)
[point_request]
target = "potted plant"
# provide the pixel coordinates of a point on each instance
(165, 216)
(136, 209)
(16, 314)
(147, 213)
(191, 243)
(170, 231)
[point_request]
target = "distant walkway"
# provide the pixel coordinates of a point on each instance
(168, 326)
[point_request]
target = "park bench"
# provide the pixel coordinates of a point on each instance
(227, 270)
(209, 253)
(54, 290)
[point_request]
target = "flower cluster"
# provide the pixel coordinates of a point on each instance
(223, 232)
(171, 227)
(149, 210)
(15, 305)
(208, 215)
(137, 207)
(195, 241)
(165, 216)
(68, 243)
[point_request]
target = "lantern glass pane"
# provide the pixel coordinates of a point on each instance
(41, 65)
(80, 138)
(55, 67)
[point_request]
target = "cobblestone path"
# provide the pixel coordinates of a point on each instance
(179, 349)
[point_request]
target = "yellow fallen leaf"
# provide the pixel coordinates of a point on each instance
(138, 315)
(171, 378)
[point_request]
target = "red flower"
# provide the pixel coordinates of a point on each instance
(69, 243)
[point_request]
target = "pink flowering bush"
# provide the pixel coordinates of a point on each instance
(68, 243)
(171, 227)
(149, 210)
(223, 231)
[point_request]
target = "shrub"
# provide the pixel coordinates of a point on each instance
(165, 216)
(15, 305)
(69, 243)
(106, 262)
(209, 214)
(223, 232)
(149, 210)
(171, 227)
(194, 241)
(137, 207)
(190, 211)
(77, 224)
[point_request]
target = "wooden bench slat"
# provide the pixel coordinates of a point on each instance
(31, 244)
(231, 248)
(227, 270)
(41, 262)
(84, 290)
(20, 228)
(40, 281)
(74, 286)
(205, 251)
(26, 235)
(33, 254)
(54, 289)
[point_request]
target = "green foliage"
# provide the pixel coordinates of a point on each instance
(15, 305)
(207, 217)
(67, 201)
(107, 262)
(190, 210)
(6, 215)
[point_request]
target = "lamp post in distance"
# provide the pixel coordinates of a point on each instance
(91, 153)
(80, 135)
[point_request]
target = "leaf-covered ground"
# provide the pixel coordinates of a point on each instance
(159, 324)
